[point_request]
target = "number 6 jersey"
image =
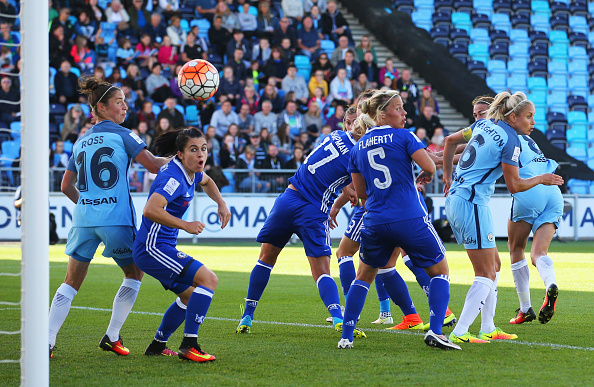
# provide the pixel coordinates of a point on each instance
(101, 159)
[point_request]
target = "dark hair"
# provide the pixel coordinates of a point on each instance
(96, 90)
(170, 142)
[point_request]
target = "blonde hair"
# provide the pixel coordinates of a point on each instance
(505, 104)
(373, 107)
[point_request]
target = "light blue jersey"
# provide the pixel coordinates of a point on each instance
(532, 161)
(324, 172)
(383, 157)
(480, 164)
(101, 159)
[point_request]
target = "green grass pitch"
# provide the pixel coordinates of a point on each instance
(291, 344)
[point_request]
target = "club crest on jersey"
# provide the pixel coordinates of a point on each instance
(491, 237)
(181, 255)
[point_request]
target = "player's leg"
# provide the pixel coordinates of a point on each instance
(345, 252)
(539, 254)
(518, 233)
(173, 317)
(354, 303)
(320, 271)
(385, 313)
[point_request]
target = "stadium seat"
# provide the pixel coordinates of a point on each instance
(539, 37)
(557, 67)
(575, 119)
(517, 82)
(424, 4)
(540, 22)
(591, 139)
(558, 52)
(497, 67)
(579, 23)
(478, 52)
(519, 36)
(477, 68)
(442, 19)
(502, 7)
(557, 101)
(15, 129)
(538, 51)
(499, 51)
(156, 109)
(557, 83)
(10, 152)
(555, 134)
(559, 38)
(559, 23)
(540, 114)
(497, 82)
(482, 21)
(444, 6)
(480, 36)
(575, 186)
(462, 20)
(302, 61)
(577, 84)
(537, 83)
(458, 36)
(538, 68)
(559, 143)
(521, 6)
(203, 27)
(559, 8)
(521, 21)
(459, 51)
(538, 98)
(578, 67)
(576, 52)
(519, 51)
(464, 6)
(327, 46)
(407, 6)
(541, 6)
(577, 103)
(579, 39)
(440, 35)
(518, 66)
(557, 121)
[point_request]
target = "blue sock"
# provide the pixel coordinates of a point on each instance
(382, 295)
(258, 281)
(421, 275)
(172, 319)
(354, 305)
(439, 296)
(397, 289)
(197, 309)
(329, 295)
(347, 273)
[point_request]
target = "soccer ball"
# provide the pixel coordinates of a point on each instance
(198, 79)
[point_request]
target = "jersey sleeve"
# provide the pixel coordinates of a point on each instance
(511, 151)
(352, 167)
(198, 177)
(133, 144)
(168, 186)
(413, 143)
(71, 164)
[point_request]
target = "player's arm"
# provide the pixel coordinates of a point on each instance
(451, 145)
(359, 183)
(424, 161)
(514, 183)
(340, 201)
(68, 186)
(211, 189)
(155, 211)
(150, 161)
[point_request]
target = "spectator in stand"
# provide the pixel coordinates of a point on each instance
(157, 85)
(323, 64)
(293, 9)
(363, 47)
(262, 51)
(265, 138)
(341, 88)
(421, 134)
(60, 157)
(155, 29)
(62, 20)
(426, 99)
(287, 51)
(283, 141)
(192, 50)
(238, 42)
(295, 83)
(59, 47)
(143, 133)
(387, 85)
(316, 18)
(218, 37)
(267, 21)
(147, 115)
(139, 16)
(389, 71)
(260, 147)
(169, 8)
(85, 26)
(246, 21)
(336, 120)
(297, 159)
(319, 99)
(229, 18)
(361, 84)
(351, 66)
(8, 9)
(250, 99)
(163, 125)
(167, 54)
(406, 79)
(66, 84)
(210, 135)
(340, 51)
(285, 31)
(293, 118)
(175, 117)
(177, 34)
(370, 69)
(238, 141)
(246, 120)
(247, 182)
(9, 112)
(239, 66)
(116, 14)
(229, 88)
(318, 81)
(265, 118)
(312, 119)
(96, 12)
(429, 121)
(6, 60)
(147, 53)
(74, 120)
(326, 130)
(124, 53)
(334, 24)
(271, 94)
(134, 79)
(222, 118)
(228, 153)
(321, 5)
(82, 56)
(254, 75)
(99, 73)
(304, 142)
(206, 9)
(410, 108)
(437, 141)
(116, 79)
(308, 39)
(274, 161)
(176, 92)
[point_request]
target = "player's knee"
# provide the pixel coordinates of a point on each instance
(209, 280)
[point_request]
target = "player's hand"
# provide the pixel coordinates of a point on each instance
(332, 218)
(447, 183)
(551, 179)
(194, 227)
(436, 157)
(224, 215)
(424, 178)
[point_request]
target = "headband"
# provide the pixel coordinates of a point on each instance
(99, 100)
(515, 107)
(388, 101)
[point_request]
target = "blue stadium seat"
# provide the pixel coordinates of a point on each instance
(517, 82)
(579, 39)
(499, 36)
(477, 68)
(557, 83)
(538, 68)
(462, 20)
(442, 19)
(557, 121)
(497, 82)
(203, 27)
(407, 6)
(577, 119)
(555, 134)
(591, 101)
(540, 114)
(444, 6)
(519, 51)
(478, 52)
(559, 38)
(327, 46)
(577, 137)
(521, 21)
(497, 67)
(578, 67)
(557, 67)
(421, 15)
(519, 36)
(591, 139)
(499, 51)
(156, 109)
(538, 98)
(459, 51)
(424, 4)
(538, 51)
(502, 7)
(184, 25)
(480, 36)
(192, 115)
(463, 6)
(577, 103)
(575, 52)
(580, 187)
(540, 22)
(557, 101)
(537, 83)
(501, 21)
(559, 23)
(558, 51)
(577, 85)
(518, 66)
(559, 143)
(539, 37)
(541, 6)
(441, 35)
(459, 36)
(559, 8)
(480, 20)
(579, 23)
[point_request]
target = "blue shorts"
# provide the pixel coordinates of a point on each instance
(537, 206)
(173, 268)
(416, 236)
(290, 214)
(472, 223)
(353, 231)
(83, 242)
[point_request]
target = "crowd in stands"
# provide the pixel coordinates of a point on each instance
(288, 69)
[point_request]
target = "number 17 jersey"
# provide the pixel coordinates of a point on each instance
(101, 159)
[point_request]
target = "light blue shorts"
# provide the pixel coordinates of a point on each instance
(537, 206)
(118, 240)
(472, 223)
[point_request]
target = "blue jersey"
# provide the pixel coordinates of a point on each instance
(175, 185)
(383, 157)
(101, 159)
(480, 163)
(324, 172)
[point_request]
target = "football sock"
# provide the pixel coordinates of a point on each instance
(382, 295)
(196, 312)
(329, 295)
(122, 305)
(488, 311)
(474, 302)
(346, 268)
(521, 274)
(59, 310)
(421, 275)
(172, 319)
(546, 269)
(354, 305)
(258, 281)
(439, 296)
(397, 289)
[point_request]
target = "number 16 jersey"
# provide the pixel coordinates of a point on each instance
(101, 159)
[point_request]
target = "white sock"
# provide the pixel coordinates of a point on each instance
(546, 269)
(122, 305)
(521, 273)
(59, 310)
(475, 300)
(488, 312)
